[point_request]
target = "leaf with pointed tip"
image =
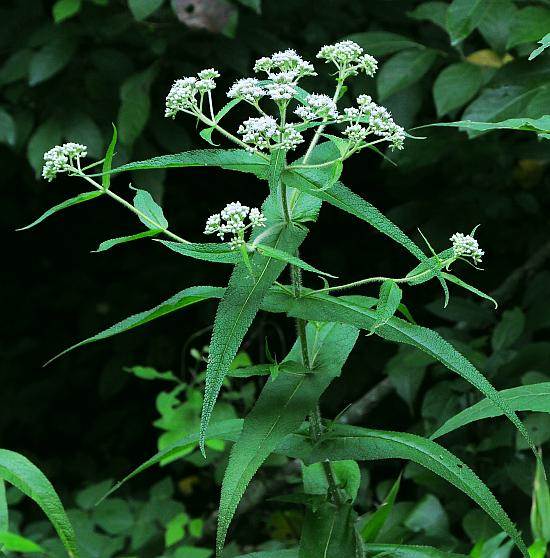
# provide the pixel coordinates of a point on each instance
(67, 203)
(107, 163)
(208, 251)
(4, 521)
(206, 133)
(453, 279)
(389, 300)
(153, 216)
(352, 442)
(538, 125)
(105, 245)
(280, 410)
(376, 521)
(179, 300)
(10, 542)
(19, 471)
(350, 310)
(533, 397)
(288, 258)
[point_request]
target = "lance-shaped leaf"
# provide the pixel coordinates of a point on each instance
(108, 161)
(11, 542)
(19, 471)
(372, 527)
(454, 279)
(538, 125)
(288, 258)
(231, 159)
(239, 306)
(408, 551)
(389, 300)
(311, 181)
(179, 300)
(106, 244)
(207, 251)
(349, 309)
(533, 397)
(67, 203)
(151, 214)
(4, 520)
(348, 442)
(281, 409)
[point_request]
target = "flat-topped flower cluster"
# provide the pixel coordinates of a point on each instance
(62, 158)
(283, 70)
(466, 246)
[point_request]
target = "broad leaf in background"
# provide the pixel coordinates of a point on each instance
(50, 59)
(179, 300)
(141, 9)
(533, 397)
(21, 473)
(540, 508)
(408, 551)
(529, 25)
(349, 442)
(463, 16)
(402, 70)
(455, 86)
(434, 11)
(382, 43)
(7, 128)
(281, 409)
(64, 9)
(508, 330)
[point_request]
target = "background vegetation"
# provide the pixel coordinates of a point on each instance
(72, 67)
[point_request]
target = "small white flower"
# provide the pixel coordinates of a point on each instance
(289, 138)
(182, 96)
(356, 133)
(209, 73)
(344, 52)
(368, 64)
(317, 106)
(280, 91)
(284, 61)
(466, 246)
(213, 224)
(232, 221)
(236, 243)
(257, 218)
(234, 211)
(352, 113)
(61, 157)
(258, 131)
(248, 89)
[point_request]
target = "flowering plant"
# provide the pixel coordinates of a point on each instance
(262, 243)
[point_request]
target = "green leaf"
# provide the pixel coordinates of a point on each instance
(142, 9)
(496, 23)
(208, 251)
(286, 553)
(255, 5)
(540, 509)
(350, 310)
(7, 128)
(293, 260)
(348, 442)
(16, 66)
(21, 473)
(67, 203)
(388, 303)
(113, 516)
(453, 279)
(43, 138)
(463, 16)
(135, 105)
(206, 133)
(223, 430)
(175, 530)
(4, 519)
(382, 43)
(105, 245)
(532, 397)
(65, 9)
(456, 85)
(408, 551)
(436, 12)
(402, 70)
(107, 163)
(545, 43)
(180, 300)
(241, 302)
(329, 531)
(529, 25)
(508, 330)
(376, 521)
(231, 159)
(50, 60)
(186, 551)
(154, 217)
(148, 373)
(16, 543)
(280, 410)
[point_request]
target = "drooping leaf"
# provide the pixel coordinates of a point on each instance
(209, 252)
(533, 397)
(382, 43)
(388, 303)
(350, 310)
(463, 16)
(455, 86)
(538, 125)
(67, 203)
(21, 473)
(288, 258)
(107, 163)
(180, 300)
(280, 410)
(402, 70)
(453, 279)
(153, 215)
(106, 244)
(376, 521)
(10, 542)
(349, 442)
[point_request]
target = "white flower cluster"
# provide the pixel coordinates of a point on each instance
(231, 220)
(379, 120)
(248, 89)
(466, 246)
(317, 106)
(260, 132)
(350, 58)
(61, 157)
(183, 94)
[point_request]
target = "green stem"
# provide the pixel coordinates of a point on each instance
(128, 205)
(315, 421)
